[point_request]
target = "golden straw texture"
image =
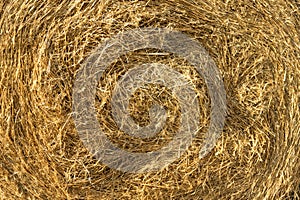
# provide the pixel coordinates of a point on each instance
(254, 43)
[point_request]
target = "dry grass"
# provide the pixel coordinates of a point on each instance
(256, 46)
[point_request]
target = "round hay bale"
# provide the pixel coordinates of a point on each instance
(256, 47)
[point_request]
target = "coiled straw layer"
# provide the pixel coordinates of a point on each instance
(255, 45)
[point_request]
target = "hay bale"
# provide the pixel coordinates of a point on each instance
(255, 45)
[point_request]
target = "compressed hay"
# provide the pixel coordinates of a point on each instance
(255, 45)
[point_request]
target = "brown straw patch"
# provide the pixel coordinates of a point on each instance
(256, 47)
